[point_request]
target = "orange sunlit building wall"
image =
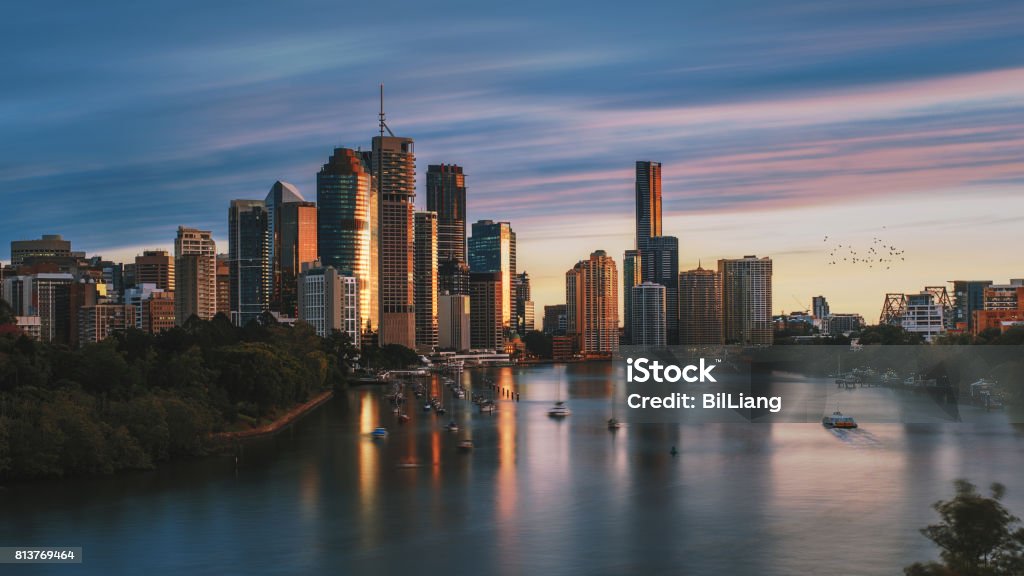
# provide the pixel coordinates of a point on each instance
(1004, 307)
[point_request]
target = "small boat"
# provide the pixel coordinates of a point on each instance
(488, 406)
(838, 420)
(403, 418)
(614, 424)
(440, 410)
(452, 426)
(426, 407)
(673, 451)
(379, 432)
(466, 446)
(559, 410)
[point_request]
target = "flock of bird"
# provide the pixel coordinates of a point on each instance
(878, 254)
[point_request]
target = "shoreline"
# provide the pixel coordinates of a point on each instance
(277, 425)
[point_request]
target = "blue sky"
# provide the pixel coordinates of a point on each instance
(777, 123)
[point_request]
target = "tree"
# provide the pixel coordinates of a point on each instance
(6, 313)
(977, 536)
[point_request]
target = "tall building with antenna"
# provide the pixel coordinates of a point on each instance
(393, 162)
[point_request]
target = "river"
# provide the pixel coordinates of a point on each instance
(536, 496)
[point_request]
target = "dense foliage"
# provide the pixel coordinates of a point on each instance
(136, 399)
(977, 536)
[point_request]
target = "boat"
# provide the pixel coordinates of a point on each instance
(838, 420)
(403, 418)
(426, 407)
(614, 424)
(452, 426)
(379, 432)
(488, 406)
(466, 446)
(559, 410)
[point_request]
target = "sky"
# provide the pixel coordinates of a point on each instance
(791, 129)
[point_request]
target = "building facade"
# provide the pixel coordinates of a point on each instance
(632, 275)
(486, 302)
(347, 226)
(700, 307)
(155, 267)
(648, 202)
(248, 261)
(195, 275)
(453, 330)
(648, 315)
(747, 300)
(446, 195)
(592, 306)
(492, 249)
(426, 243)
(393, 161)
(329, 301)
(660, 263)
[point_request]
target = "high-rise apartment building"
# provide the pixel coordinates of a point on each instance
(648, 202)
(648, 315)
(247, 261)
(747, 300)
(393, 161)
(486, 302)
(592, 306)
(280, 193)
(155, 267)
(195, 275)
(425, 266)
(632, 275)
(700, 307)
(453, 322)
(492, 248)
(347, 225)
(98, 322)
(329, 301)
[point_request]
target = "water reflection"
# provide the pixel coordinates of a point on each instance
(537, 495)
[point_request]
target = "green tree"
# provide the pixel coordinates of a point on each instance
(538, 343)
(6, 312)
(977, 536)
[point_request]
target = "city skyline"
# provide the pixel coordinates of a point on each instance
(913, 133)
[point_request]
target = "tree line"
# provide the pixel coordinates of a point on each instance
(137, 399)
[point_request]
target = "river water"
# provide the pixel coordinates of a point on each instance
(536, 496)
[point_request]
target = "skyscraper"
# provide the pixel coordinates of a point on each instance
(50, 245)
(632, 275)
(452, 276)
(524, 304)
(247, 260)
(486, 302)
(280, 193)
(297, 226)
(446, 195)
(426, 239)
(592, 305)
(700, 307)
(393, 161)
(195, 275)
(648, 202)
(661, 266)
(347, 225)
(554, 320)
(648, 315)
(492, 248)
(746, 300)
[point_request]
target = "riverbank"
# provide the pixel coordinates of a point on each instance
(277, 425)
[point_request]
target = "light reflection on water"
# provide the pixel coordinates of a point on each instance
(536, 495)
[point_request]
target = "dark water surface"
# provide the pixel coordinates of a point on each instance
(536, 496)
